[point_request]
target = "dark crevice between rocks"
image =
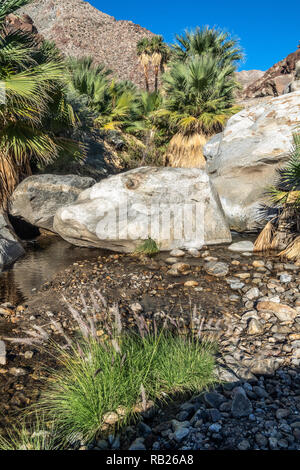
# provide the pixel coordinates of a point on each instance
(23, 229)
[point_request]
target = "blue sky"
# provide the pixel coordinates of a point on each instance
(268, 30)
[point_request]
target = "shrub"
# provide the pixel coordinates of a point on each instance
(108, 375)
(148, 247)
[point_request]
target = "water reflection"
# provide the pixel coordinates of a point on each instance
(44, 258)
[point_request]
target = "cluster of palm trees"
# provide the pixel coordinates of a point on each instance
(153, 52)
(49, 96)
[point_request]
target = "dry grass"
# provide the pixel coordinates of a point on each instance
(186, 151)
(264, 240)
(10, 176)
(292, 252)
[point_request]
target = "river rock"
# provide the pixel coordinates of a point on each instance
(242, 246)
(215, 268)
(10, 246)
(242, 160)
(37, 198)
(281, 311)
(122, 210)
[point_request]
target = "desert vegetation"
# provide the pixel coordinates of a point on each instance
(49, 97)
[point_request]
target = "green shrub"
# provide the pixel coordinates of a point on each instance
(108, 375)
(118, 376)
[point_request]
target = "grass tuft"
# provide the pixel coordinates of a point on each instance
(108, 374)
(104, 385)
(148, 247)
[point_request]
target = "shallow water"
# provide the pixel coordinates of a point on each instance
(48, 255)
(44, 258)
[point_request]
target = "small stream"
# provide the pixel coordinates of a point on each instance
(48, 255)
(44, 258)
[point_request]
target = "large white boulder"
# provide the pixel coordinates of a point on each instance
(37, 198)
(242, 160)
(176, 207)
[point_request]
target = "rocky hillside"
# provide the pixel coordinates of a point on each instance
(274, 81)
(80, 29)
(246, 77)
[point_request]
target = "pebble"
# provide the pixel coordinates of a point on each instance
(180, 434)
(177, 253)
(194, 252)
(253, 293)
(241, 405)
(285, 278)
(138, 444)
(255, 327)
(218, 269)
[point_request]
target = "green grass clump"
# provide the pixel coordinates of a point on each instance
(109, 377)
(148, 247)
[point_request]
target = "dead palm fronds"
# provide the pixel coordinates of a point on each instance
(284, 196)
(186, 151)
(264, 240)
(292, 252)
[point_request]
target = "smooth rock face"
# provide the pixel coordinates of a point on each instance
(10, 246)
(242, 159)
(122, 210)
(38, 197)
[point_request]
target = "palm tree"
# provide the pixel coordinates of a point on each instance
(199, 98)
(32, 78)
(113, 103)
(89, 80)
(144, 54)
(160, 54)
(147, 105)
(207, 41)
(281, 232)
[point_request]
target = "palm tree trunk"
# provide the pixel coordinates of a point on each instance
(284, 233)
(146, 74)
(156, 78)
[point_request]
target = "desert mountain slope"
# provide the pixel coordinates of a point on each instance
(80, 29)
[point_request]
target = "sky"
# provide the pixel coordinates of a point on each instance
(268, 30)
